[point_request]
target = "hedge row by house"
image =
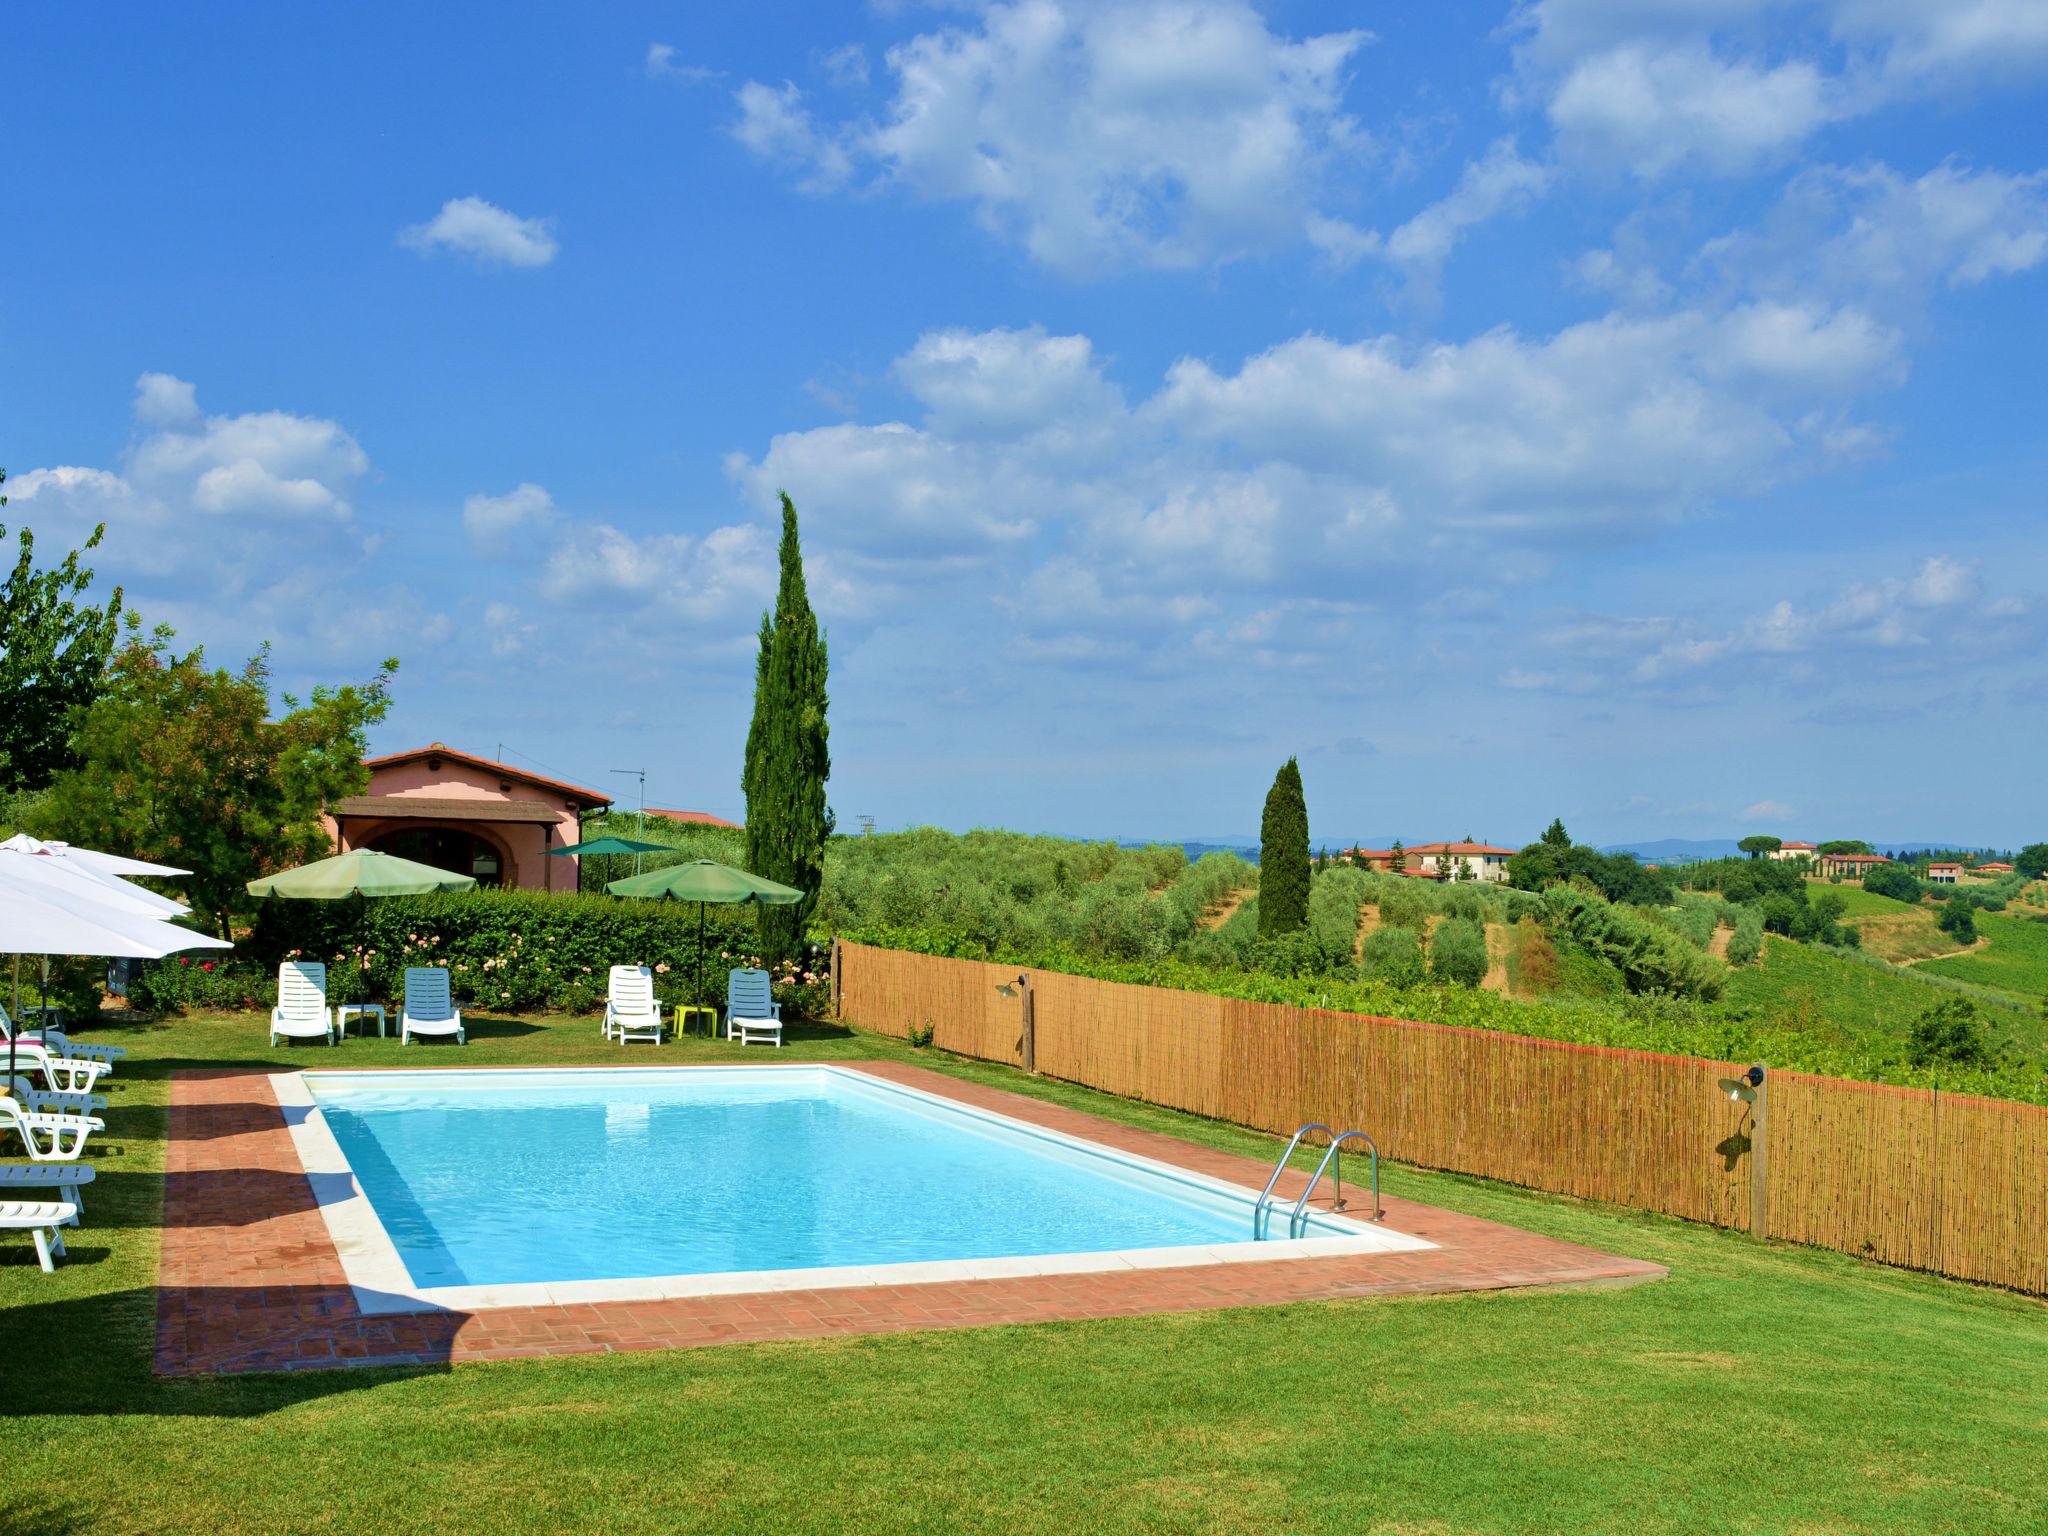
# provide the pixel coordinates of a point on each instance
(505, 950)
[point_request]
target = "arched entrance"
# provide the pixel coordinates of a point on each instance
(450, 848)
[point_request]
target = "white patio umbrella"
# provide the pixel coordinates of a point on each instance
(99, 863)
(26, 863)
(47, 921)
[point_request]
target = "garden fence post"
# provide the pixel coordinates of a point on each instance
(1760, 1164)
(835, 975)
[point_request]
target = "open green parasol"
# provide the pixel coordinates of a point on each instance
(705, 881)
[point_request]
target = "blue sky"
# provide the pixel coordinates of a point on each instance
(1623, 411)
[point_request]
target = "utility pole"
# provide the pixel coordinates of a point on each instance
(640, 823)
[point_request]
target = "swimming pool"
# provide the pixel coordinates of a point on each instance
(495, 1187)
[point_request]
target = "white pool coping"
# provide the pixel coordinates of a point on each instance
(382, 1284)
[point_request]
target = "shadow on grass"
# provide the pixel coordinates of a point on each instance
(64, 1359)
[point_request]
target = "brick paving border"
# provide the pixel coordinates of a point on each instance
(250, 1281)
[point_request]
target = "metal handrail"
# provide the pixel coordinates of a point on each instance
(1264, 1204)
(1299, 1216)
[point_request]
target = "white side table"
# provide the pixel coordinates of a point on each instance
(360, 1010)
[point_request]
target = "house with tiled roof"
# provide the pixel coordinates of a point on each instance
(474, 815)
(1440, 861)
(1791, 851)
(1850, 866)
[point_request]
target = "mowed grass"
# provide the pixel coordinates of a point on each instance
(1857, 902)
(1761, 1388)
(2012, 954)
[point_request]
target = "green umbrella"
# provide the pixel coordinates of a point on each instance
(610, 844)
(362, 872)
(702, 881)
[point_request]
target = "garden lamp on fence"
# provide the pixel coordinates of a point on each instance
(1742, 1090)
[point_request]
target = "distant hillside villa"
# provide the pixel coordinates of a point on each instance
(1792, 851)
(1944, 873)
(1441, 861)
(473, 815)
(1850, 866)
(1995, 867)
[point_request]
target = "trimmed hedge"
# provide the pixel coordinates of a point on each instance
(506, 951)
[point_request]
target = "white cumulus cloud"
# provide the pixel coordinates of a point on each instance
(485, 233)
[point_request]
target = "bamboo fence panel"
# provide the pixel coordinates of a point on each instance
(1946, 1183)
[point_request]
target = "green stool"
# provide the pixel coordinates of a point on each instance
(684, 1013)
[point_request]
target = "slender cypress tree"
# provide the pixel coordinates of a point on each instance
(1283, 855)
(787, 760)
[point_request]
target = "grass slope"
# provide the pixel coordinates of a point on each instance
(1761, 1388)
(2013, 955)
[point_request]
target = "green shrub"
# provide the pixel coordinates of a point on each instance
(1404, 902)
(509, 951)
(1747, 941)
(1457, 952)
(1949, 1033)
(1333, 903)
(1958, 920)
(1650, 958)
(1392, 956)
(1895, 881)
(177, 983)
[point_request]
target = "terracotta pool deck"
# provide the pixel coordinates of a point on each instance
(250, 1280)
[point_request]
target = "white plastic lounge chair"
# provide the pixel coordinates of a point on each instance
(429, 1010)
(37, 1180)
(302, 1012)
(61, 1044)
(631, 1010)
(41, 1218)
(750, 1012)
(46, 1101)
(61, 1074)
(49, 1138)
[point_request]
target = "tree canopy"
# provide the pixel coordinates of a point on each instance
(1556, 860)
(788, 757)
(1283, 855)
(182, 763)
(2032, 860)
(1759, 844)
(53, 653)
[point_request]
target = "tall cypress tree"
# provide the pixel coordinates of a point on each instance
(787, 760)
(1283, 855)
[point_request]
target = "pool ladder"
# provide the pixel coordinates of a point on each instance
(1297, 1219)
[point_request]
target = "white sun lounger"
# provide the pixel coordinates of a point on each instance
(41, 1219)
(28, 1179)
(45, 1101)
(49, 1138)
(631, 1010)
(302, 1012)
(61, 1074)
(429, 1010)
(750, 1011)
(61, 1044)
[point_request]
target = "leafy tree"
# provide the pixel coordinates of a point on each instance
(1392, 955)
(1555, 836)
(182, 763)
(1958, 920)
(1843, 845)
(53, 652)
(1457, 952)
(1949, 1033)
(1759, 844)
(1283, 855)
(2032, 860)
(788, 761)
(1397, 857)
(1893, 880)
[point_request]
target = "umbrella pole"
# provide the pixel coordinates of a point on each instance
(698, 988)
(14, 1020)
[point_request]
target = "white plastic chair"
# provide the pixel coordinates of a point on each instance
(302, 1012)
(631, 1010)
(45, 1101)
(40, 1218)
(751, 1013)
(429, 1010)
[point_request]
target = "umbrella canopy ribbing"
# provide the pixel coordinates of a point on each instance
(111, 863)
(702, 881)
(361, 872)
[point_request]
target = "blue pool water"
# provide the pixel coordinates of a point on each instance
(491, 1178)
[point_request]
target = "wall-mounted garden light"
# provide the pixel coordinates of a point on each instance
(1027, 1046)
(1743, 1089)
(1748, 1089)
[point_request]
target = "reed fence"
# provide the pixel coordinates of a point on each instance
(1907, 1176)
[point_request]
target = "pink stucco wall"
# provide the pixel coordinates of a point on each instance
(522, 846)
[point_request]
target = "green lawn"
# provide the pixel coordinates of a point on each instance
(2013, 955)
(1859, 902)
(1760, 1389)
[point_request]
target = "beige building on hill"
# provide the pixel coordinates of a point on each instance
(1786, 851)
